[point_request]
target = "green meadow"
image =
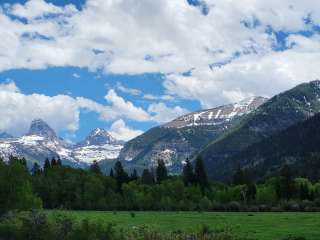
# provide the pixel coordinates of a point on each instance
(261, 226)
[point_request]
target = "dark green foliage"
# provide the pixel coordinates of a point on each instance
(285, 183)
(35, 169)
(134, 175)
(46, 165)
(162, 173)
(69, 188)
(188, 174)
(95, 168)
(111, 174)
(59, 163)
(200, 174)
(239, 178)
(15, 187)
(120, 175)
(147, 177)
(53, 162)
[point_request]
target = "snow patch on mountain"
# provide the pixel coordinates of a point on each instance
(88, 154)
(219, 115)
(41, 142)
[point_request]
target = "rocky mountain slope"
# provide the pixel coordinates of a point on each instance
(41, 142)
(99, 145)
(183, 137)
(277, 114)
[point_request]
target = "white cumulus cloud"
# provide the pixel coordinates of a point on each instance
(170, 37)
(162, 113)
(121, 131)
(62, 112)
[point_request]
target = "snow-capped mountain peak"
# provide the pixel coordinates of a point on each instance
(218, 115)
(98, 137)
(40, 128)
(41, 142)
(98, 145)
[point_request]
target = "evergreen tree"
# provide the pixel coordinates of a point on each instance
(251, 191)
(188, 174)
(147, 177)
(95, 168)
(23, 161)
(134, 175)
(13, 160)
(53, 162)
(120, 175)
(59, 162)
(47, 164)
(239, 177)
(35, 169)
(200, 174)
(15, 188)
(111, 174)
(162, 173)
(285, 187)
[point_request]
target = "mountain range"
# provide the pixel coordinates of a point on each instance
(41, 142)
(183, 137)
(256, 133)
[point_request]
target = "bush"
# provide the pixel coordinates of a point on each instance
(36, 226)
(233, 206)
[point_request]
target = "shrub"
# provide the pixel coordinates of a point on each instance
(233, 206)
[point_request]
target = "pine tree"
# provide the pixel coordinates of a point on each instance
(188, 174)
(286, 183)
(35, 169)
(46, 165)
(59, 162)
(95, 168)
(147, 177)
(134, 175)
(53, 162)
(200, 174)
(111, 174)
(239, 177)
(162, 173)
(120, 175)
(23, 161)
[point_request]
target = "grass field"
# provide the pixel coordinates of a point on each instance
(261, 226)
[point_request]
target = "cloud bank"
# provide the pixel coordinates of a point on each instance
(216, 52)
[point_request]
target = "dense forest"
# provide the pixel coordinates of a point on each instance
(55, 186)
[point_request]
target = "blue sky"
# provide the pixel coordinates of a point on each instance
(79, 82)
(128, 66)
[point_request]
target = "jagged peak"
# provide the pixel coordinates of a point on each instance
(40, 128)
(99, 136)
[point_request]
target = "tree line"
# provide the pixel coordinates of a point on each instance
(54, 186)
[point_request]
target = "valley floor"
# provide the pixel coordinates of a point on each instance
(261, 226)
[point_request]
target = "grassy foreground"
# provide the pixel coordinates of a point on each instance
(261, 226)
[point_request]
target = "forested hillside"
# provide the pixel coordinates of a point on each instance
(274, 116)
